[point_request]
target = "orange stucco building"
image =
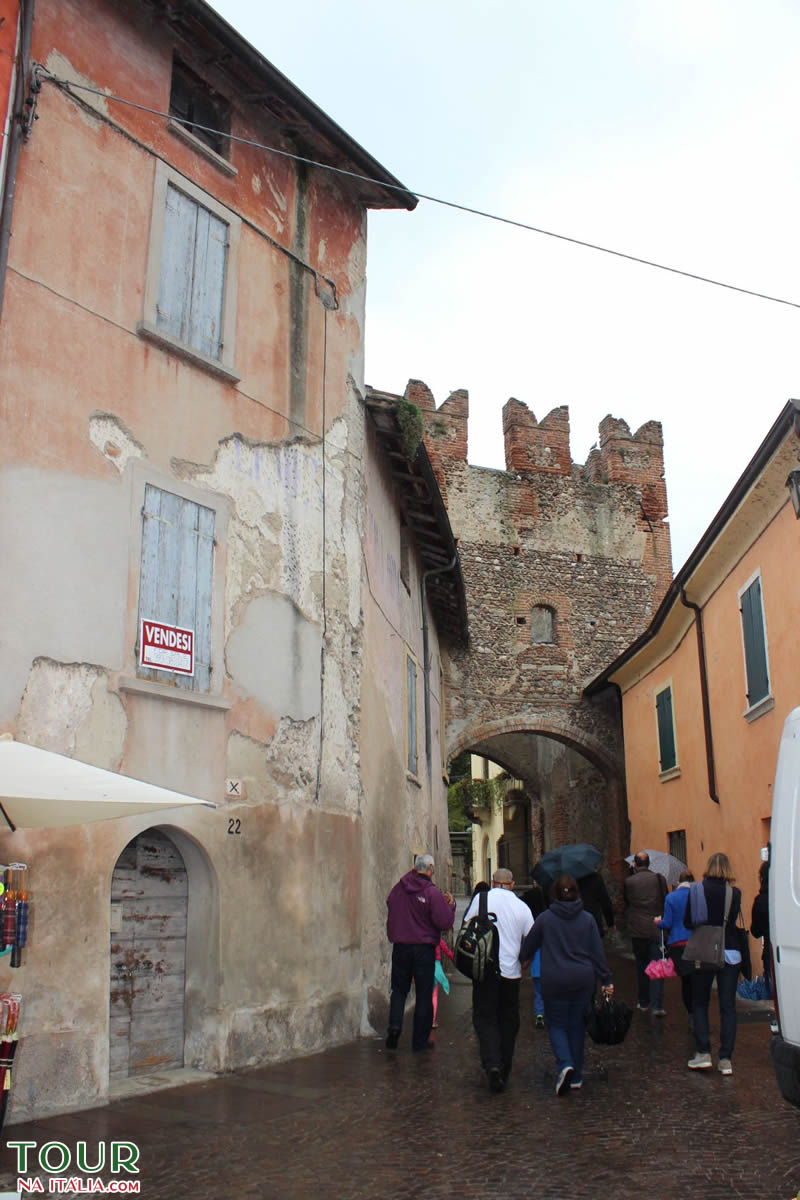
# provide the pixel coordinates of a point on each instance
(706, 688)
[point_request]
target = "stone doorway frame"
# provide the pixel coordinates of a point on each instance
(203, 1033)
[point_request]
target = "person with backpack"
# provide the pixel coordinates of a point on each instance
(495, 999)
(418, 915)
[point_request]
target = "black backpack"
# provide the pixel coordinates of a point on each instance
(477, 948)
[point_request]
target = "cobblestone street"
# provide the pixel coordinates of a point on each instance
(360, 1122)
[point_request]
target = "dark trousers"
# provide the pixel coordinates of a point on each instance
(676, 954)
(495, 1019)
(412, 962)
(566, 1025)
(651, 991)
(702, 982)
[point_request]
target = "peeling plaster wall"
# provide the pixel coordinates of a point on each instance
(402, 816)
(92, 413)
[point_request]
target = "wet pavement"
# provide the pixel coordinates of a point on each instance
(359, 1121)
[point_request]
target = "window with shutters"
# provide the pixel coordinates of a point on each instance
(665, 723)
(192, 273)
(412, 715)
(677, 844)
(176, 578)
(199, 109)
(754, 641)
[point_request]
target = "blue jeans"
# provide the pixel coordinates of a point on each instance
(566, 1026)
(702, 982)
(417, 963)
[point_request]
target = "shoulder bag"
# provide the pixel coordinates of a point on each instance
(705, 949)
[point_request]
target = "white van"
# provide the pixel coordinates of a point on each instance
(784, 908)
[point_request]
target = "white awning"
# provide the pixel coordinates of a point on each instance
(43, 790)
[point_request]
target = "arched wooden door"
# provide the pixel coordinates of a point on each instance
(149, 902)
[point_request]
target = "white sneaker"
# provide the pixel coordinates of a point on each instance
(725, 1067)
(562, 1083)
(700, 1062)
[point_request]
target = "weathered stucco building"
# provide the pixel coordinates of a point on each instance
(563, 564)
(185, 441)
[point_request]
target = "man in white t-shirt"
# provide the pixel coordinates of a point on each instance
(495, 1002)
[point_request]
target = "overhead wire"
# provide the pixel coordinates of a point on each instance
(68, 84)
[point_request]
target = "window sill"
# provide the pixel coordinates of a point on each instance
(413, 779)
(163, 691)
(672, 773)
(152, 334)
(758, 710)
(200, 146)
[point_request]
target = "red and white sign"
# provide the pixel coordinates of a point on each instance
(166, 647)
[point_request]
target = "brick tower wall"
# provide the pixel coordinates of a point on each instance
(589, 542)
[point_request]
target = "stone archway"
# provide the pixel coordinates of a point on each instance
(572, 780)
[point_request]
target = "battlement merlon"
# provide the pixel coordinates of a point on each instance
(446, 427)
(532, 445)
(635, 458)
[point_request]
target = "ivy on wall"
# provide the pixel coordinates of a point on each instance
(468, 794)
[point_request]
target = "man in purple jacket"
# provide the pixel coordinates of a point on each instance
(418, 915)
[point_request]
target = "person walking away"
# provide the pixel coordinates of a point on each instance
(645, 893)
(495, 1000)
(418, 915)
(759, 923)
(718, 875)
(678, 935)
(441, 949)
(573, 959)
(596, 900)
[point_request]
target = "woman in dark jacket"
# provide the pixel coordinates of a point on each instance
(572, 959)
(718, 875)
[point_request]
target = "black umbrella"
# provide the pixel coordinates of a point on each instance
(578, 859)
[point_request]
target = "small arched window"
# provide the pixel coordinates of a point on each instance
(542, 624)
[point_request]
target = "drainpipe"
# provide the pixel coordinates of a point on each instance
(426, 654)
(15, 130)
(701, 655)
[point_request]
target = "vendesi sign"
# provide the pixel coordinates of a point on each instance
(166, 647)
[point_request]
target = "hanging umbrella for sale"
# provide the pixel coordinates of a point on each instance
(662, 864)
(578, 859)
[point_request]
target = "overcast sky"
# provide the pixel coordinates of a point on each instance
(665, 130)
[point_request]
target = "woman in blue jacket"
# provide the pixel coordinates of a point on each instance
(572, 960)
(677, 933)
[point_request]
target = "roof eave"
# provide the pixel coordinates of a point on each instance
(380, 189)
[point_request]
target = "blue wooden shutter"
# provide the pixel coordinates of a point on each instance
(755, 647)
(666, 731)
(176, 576)
(192, 283)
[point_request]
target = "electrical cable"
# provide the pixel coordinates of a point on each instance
(67, 85)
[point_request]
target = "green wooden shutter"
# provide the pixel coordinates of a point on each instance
(666, 732)
(755, 647)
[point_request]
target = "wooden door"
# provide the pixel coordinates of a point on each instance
(149, 898)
